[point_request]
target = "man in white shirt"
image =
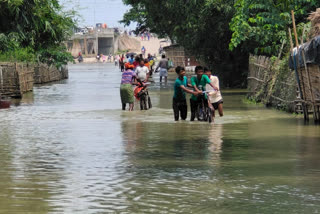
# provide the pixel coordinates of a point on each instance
(142, 72)
(214, 97)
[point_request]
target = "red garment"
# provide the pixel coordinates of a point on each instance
(128, 65)
(121, 61)
(147, 65)
(136, 91)
(135, 64)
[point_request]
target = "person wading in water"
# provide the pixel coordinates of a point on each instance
(214, 97)
(179, 103)
(199, 83)
(163, 65)
(126, 90)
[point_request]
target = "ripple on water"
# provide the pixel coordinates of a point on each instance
(70, 149)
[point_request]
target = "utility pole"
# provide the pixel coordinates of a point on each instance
(94, 13)
(95, 27)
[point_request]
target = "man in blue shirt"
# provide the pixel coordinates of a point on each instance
(131, 59)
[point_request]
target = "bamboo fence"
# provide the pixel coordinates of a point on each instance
(45, 74)
(267, 85)
(310, 88)
(16, 79)
(270, 86)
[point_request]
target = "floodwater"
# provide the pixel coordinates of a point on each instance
(68, 148)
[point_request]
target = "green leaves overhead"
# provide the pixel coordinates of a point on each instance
(258, 26)
(31, 29)
(261, 26)
(196, 24)
(39, 23)
(200, 26)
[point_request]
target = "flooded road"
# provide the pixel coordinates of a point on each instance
(68, 148)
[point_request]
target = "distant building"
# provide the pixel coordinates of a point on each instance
(179, 56)
(91, 42)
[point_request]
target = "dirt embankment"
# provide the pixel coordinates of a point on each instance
(128, 43)
(134, 44)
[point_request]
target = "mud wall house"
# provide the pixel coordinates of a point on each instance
(296, 89)
(305, 61)
(179, 56)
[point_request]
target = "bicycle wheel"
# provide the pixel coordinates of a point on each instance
(198, 113)
(209, 115)
(149, 102)
(145, 103)
(205, 113)
(142, 102)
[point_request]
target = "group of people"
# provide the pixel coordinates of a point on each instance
(103, 57)
(135, 60)
(145, 36)
(205, 88)
(135, 71)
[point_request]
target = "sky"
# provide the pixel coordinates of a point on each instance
(98, 11)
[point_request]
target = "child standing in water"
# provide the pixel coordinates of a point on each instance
(214, 97)
(179, 103)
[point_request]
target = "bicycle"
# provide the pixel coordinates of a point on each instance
(204, 109)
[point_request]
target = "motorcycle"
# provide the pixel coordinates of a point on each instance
(80, 59)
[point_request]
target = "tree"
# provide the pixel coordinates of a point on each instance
(200, 26)
(261, 26)
(37, 23)
(34, 25)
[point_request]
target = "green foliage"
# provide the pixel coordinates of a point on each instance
(34, 27)
(122, 52)
(39, 24)
(251, 100)
(19, 54)
(261, 26)
(9, 42)
(57, 56)
(200, 26)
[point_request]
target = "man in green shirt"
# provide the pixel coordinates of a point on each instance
(179, 103)
(199, 83)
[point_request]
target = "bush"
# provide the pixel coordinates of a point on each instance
(18, 55)
(56, 56)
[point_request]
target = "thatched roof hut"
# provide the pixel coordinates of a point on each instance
(314, 17)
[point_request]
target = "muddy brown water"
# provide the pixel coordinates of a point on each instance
(68, 148)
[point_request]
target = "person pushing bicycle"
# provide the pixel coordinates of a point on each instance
(199, 83)
(214, 96)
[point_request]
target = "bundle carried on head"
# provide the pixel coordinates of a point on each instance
(315, 23)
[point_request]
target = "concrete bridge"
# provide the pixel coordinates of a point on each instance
(98, 41)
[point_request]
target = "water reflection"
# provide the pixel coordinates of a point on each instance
(215, 139)
(26, 99)
(72, 150)
(29, 168)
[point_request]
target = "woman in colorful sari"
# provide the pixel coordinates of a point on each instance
(126, 91)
